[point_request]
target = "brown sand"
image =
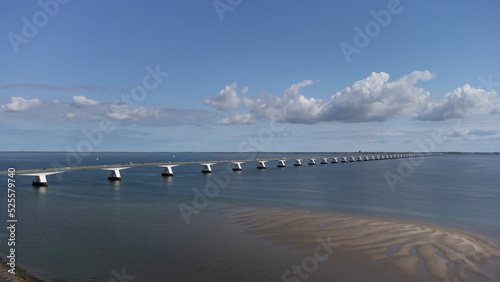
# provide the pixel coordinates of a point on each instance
(365, 242)
(19, 276)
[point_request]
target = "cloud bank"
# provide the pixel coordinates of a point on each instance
(83, 109)
(125, 112)
(372, 99)
(39, 86)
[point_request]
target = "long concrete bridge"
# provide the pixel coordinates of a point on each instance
(41, 179)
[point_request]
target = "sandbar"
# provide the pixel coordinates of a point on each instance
(377, 248)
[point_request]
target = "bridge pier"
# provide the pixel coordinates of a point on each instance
(237, 166)
(281, 163)
(167, 170)
(40, 181)
(324, 161)
(298, 162)
(114, 174)
(335, 161)
(207, 168)
(261, 165)
(40, 178)
(312, 162)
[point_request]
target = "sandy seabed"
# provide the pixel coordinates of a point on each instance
(374, 249)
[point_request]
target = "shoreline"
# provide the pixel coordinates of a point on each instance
(19, 276)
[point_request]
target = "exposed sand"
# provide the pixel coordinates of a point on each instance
(19, 276)
(378, 246)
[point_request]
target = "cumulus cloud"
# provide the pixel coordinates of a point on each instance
(293, 107)
(227, 99)
(125, 112)
(81, 100)
(371, 99)
(376, 99)
(461, 102)
(19, 104)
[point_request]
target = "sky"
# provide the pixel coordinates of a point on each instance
(244, 76)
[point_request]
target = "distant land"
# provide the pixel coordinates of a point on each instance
(291, 152)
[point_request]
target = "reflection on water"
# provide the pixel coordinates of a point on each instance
(40, 190)
(167, 179)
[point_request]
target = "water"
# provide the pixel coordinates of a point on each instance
(84, 228)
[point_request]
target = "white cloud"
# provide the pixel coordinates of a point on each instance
(227, 99)
(19, 104)
(237, 119)
(459, 132)
(368, 141)
(82, 101)
(125, 112)
(376, 99)
(473, 133)
(293, 107)
(379, 133)
(244, 90)
(461, 102)
(370, 99)
(67, 112)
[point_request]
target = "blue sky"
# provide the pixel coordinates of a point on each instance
(239, 75)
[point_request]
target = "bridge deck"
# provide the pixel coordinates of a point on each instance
(145, 164)
(193, 162)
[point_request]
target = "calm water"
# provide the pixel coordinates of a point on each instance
(85, 228)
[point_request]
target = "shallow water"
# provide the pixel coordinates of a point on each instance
(83, 227)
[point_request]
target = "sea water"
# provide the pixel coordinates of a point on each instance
(146, 227)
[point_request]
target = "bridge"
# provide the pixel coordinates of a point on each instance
(115, 175)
